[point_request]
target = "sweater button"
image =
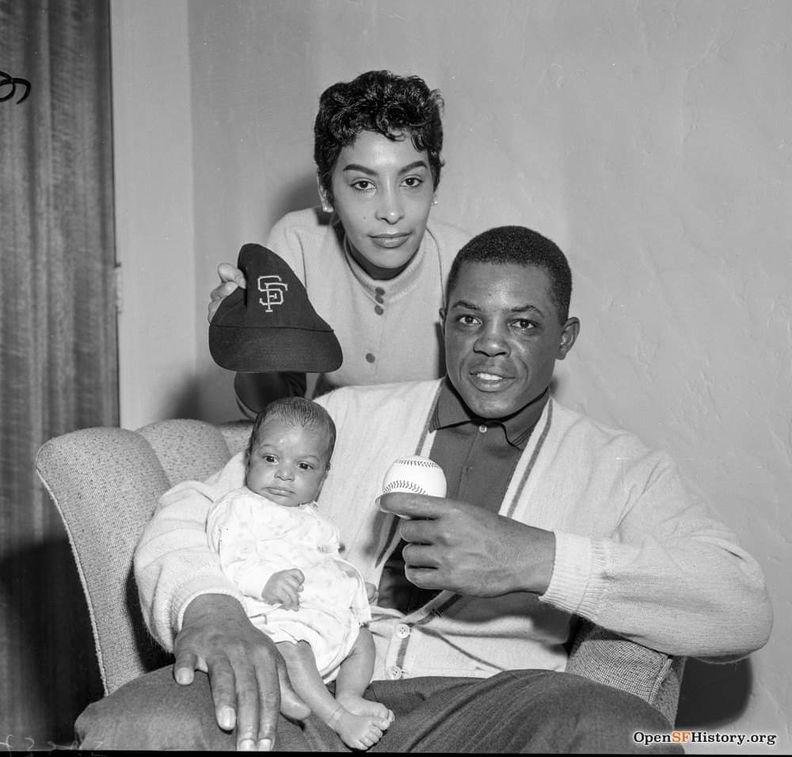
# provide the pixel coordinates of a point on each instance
(378, 310)
(394, 672)
(402, 631)
(370, 358)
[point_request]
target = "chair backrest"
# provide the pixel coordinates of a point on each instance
(105, 484)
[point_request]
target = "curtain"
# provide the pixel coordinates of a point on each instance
(58, 354)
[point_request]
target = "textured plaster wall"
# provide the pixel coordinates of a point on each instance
(152, 127)
(651, 140)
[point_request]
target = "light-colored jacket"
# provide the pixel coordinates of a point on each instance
(635, 553)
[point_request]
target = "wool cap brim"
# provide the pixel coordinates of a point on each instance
(271, 325)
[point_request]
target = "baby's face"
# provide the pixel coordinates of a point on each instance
(288, 463)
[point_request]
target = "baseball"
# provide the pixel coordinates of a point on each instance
(416, 474)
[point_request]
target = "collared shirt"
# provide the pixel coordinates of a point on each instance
(478, 457)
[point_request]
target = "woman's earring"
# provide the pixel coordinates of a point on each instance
(327, 206)
(434, 202)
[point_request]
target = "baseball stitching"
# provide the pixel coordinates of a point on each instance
(403, 485)
(422, 463)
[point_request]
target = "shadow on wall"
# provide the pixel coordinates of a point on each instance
(187, 403)
(713, 695)
(301, 193)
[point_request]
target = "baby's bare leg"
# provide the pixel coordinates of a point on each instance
(359, 731)
(354, 676)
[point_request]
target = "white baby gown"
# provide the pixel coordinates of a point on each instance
(256, 538)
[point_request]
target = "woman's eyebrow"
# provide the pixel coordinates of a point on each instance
(371, 172)
(358, 167)
(412, 166)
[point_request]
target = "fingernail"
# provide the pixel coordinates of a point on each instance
(183, 677)
(265, 745)
(227, 718)
(246, 745)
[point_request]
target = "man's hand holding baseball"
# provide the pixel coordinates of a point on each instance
(469, 550)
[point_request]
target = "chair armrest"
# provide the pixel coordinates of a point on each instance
(105, 483)
(605, 657)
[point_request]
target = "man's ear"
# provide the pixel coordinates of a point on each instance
(442, 313)
(324, 197)
(568, 336)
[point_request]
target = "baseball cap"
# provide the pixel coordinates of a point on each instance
(271, 325)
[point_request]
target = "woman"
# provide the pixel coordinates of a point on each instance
(372, 265)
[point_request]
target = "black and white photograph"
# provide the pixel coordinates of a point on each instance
(396, 376)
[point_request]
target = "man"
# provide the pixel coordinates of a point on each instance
(549, 515)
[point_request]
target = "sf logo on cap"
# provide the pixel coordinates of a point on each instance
(272, 287)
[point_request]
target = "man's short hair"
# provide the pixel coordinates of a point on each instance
(519, 246)
(382, 102)
(296, 411)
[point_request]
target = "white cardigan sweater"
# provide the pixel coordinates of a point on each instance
(634, 553)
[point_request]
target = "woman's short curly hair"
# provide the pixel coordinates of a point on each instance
(382, 102)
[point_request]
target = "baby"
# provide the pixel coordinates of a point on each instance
(284, 557)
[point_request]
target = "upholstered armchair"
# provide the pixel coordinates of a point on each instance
(105, 483)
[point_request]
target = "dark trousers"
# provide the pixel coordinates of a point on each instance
(522, 711)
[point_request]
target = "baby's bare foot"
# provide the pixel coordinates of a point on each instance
(360, 706)
(360, 730)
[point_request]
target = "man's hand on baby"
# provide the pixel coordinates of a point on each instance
(230, 278)
(247, 674)
(284, 588)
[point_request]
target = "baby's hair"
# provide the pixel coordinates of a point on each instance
(382, 102)
(297, 411)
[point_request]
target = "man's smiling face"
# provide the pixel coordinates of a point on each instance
(503, 336)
